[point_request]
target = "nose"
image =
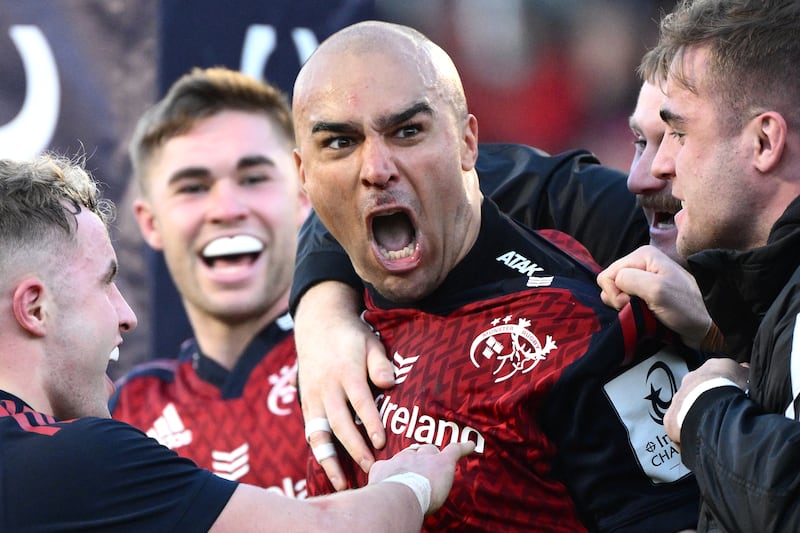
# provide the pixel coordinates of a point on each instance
(127, 318)
(663, 166)
(226, 201)
(377, 166)
(641, 179)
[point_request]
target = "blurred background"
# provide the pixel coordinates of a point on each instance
(76, 74)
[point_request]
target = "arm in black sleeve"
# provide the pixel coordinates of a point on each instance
(570, 192)
(745, 461)
(320, 257)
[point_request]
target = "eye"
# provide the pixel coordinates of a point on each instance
(338, 143)
(409, 130)
(677, 135)
(193, 187)
(639, 144)
(254, 179)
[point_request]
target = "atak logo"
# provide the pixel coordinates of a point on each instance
(513, 348)
(660, 377)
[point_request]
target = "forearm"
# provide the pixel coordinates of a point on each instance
(390, 507)
(367, 509)
(319, 258)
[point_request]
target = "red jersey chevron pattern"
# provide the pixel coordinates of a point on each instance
(250, 429)
(512, 352)
(487, 392)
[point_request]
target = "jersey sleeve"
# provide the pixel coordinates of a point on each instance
(102, 474)
(569, 192)
(745, 461)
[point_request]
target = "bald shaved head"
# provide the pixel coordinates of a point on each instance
(395, 44)
(386, 152)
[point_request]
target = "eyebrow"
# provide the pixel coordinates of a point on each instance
(670, 117)
(382, 123)
(398, 118)
(243, 163)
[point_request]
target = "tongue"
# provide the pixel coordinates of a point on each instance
(393, 232)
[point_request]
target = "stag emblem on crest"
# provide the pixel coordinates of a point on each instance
(511, 347)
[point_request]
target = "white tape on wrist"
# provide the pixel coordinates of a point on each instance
(417, 483)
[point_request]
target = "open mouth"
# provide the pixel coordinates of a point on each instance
(663, 220)
(394, 234)
(663, 206)
(232, 251)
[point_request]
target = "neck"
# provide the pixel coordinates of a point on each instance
(23, 376)
(225, 340)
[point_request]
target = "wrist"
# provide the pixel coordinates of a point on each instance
(695, 393)
(419, 485)
(714, 341)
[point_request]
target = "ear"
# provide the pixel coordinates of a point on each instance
(469, 152)
(770, 139)
(303, 207)
(29, 306)
(147, 223)
(298, 163)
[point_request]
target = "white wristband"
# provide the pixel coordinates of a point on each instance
(695, 393)
(417, 483)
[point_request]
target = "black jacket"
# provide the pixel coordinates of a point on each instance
(570, 192)
(745, 451)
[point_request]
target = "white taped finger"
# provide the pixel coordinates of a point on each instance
(317, 424)
(324, 451)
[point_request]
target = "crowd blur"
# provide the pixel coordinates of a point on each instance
(556, 74)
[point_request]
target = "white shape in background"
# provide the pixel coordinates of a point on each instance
(259, 43)
(305, 42)
(29, 133)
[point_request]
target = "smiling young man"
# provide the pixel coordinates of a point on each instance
(497, 332)
(221, 199)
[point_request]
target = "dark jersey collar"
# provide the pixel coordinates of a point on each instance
(231, 383)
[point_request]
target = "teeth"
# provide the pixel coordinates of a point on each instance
(408, 251)
(239, 244)
(114, 355)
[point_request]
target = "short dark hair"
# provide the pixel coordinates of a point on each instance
(753, 53)
(200, 94)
